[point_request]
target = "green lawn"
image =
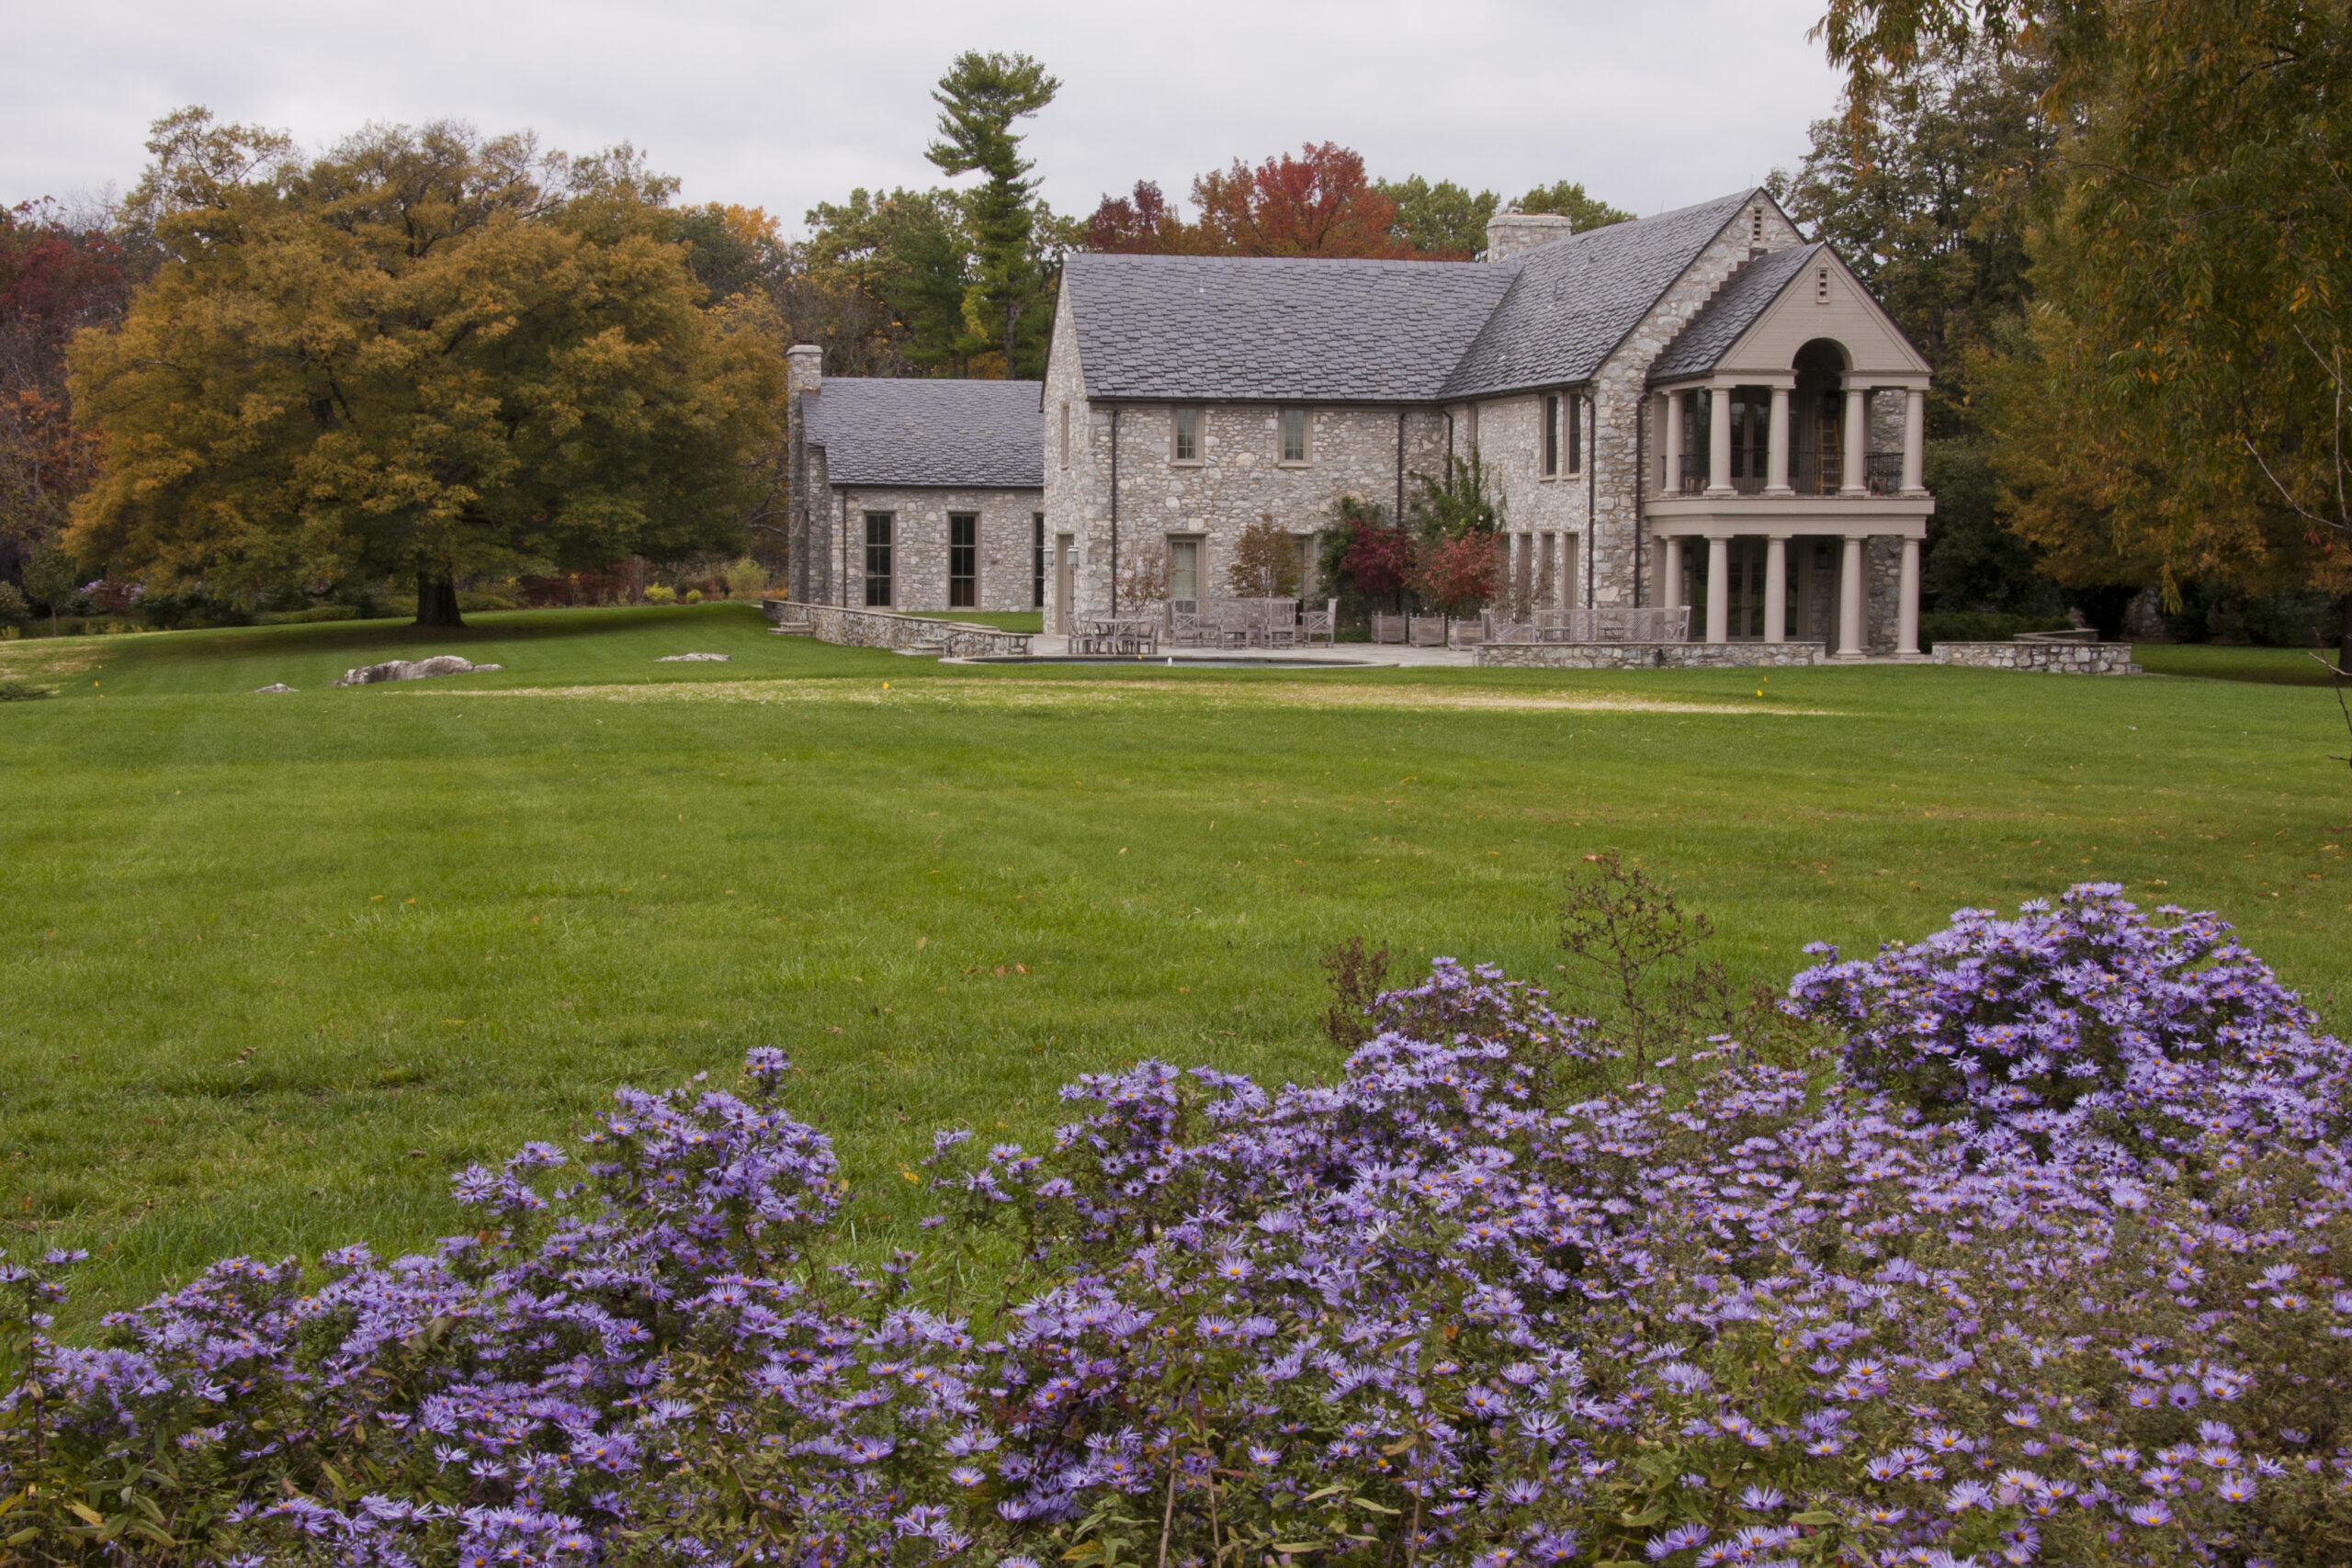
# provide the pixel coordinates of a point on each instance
(276, 966)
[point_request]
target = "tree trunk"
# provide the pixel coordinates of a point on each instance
(2344, 637)
(436, 601)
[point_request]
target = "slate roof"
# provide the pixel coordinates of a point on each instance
(1237, 328)
(980, 435)
(1572, 303)
(1702, 344)
(1245, 328)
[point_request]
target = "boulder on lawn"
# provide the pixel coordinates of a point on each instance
(272, 686)
(693, 659)
(412, 669)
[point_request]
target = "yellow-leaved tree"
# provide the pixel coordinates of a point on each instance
(424, 355)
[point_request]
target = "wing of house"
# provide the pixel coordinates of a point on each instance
(1700, 408)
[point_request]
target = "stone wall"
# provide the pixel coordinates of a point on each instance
(1238, 480)
(2048, 658)
(919, 545)
(883, 628)
(1508, 434)
(1648, 655)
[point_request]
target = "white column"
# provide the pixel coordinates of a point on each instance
(1718, 590)
(1914, 443)
(1673, 485)
(1776, 480)
(1669, 595)
(1776, 588)
(1906, 614)
(1719, 441)
(1858, 442)
(1850, 601)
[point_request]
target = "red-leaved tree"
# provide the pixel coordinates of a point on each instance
(1317, 204)
(1457, 574)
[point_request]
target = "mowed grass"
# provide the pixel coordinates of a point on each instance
(276, 966)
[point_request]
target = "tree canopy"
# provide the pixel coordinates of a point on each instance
(1322, 203)
(2174, 401)
(423, 353)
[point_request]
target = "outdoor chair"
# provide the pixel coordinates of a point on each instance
(1323, 622)
(1185, 623)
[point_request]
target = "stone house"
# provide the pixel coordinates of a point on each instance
(914, 495)
(1699, 408)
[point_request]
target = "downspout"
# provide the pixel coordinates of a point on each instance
(1115, 509)
(1591, 488)
(1449, 441)
(841, 580)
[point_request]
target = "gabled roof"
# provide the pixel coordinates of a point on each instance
(1572, 303)
(1254, 327)
(1744, 296)
(981, 435)
(1242, 328)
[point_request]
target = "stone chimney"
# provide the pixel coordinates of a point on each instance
(1510, 232)
(804, 368)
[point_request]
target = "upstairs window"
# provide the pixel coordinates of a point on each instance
(1065, 433)
(1755, 225)
(1294, 435)
(1563, 434)
(1187, 447)
(963, 560)
(1820, 286)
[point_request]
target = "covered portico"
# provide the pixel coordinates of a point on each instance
(1791, 422)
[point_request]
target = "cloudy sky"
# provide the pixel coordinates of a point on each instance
(1650, 103)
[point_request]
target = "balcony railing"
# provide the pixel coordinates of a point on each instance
(1810, 473)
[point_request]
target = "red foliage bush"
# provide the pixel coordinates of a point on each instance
(1457, 573)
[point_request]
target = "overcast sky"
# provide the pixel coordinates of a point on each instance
(1651, 103)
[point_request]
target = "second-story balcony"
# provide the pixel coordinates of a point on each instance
(1810, 474)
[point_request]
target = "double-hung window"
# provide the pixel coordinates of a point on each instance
(877, 560)
(963, 560)
(1294, 428)
(1185, 443)
(1552, 401)
(1037, 590)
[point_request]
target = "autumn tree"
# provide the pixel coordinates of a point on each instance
(1929, 196)
(1010, 294)
(2191, 328)
(425, 352)
(1319, 204)
(59, 273)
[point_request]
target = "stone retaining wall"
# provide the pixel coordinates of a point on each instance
(884, 629)
(1647, 655)
(2048, 658)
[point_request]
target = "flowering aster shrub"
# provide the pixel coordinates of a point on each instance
(1469, 1303)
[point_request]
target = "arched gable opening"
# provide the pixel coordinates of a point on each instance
(1817, 418)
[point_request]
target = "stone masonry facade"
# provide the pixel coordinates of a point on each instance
(1006, 576)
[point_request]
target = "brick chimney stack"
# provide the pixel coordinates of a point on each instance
(1510, 232)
